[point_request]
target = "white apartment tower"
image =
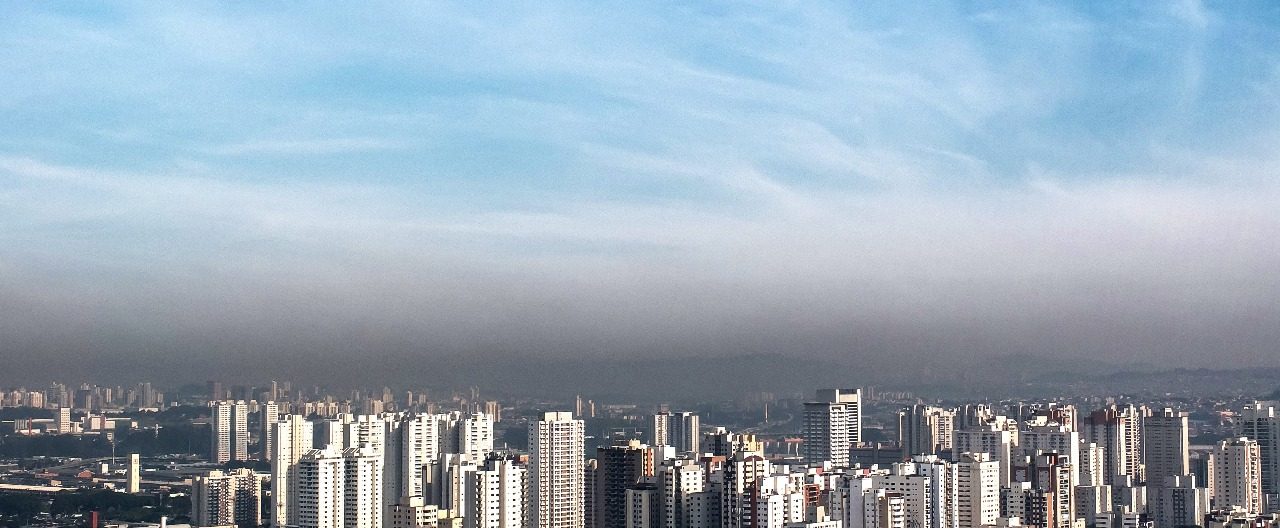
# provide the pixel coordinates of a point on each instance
(497, 496)
(1259, 423)
(990, 439)
(832, 425)
(1166, 443)
(362, 488)
(62, 420)
(269, 414)
(470, 435)
(556, 472)
(861, 502)
(292, 438)
(977, 490)
(678, 430)
(420, 446)
(229, 429)
(340, 489)
(680, 480)
(223, 499)
(1052, 438)
(1235, 475)
(643, 507)
(925, 429)
(412, 512)
(320, 481)
(133, 476)
(1118, 430)
(451, 476)
(1178, 502)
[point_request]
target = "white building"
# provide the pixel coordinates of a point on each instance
(320, 482)
(362, 489)
(62, 420)
(1259, 422)
(1166, 446)
(451, 476)
(832, 424)
(644, 507)
(340, 489)
(1052, 438)
(993, 440)
(556, 485)
(1093, 504)
(925, 429)
(679, 430)
(497, 495)
(468, 434)
(1118, 430)
(292, 438)
(1092, 467)
(977, 490)
(680, 480)
(419, 447)
(412, 512)
(859, 502)
(222, 499)
(269, 414)
(229, 430)
(1235, 475)
(133, 475)
(1178, 502)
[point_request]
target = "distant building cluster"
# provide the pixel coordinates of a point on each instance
(410, 464)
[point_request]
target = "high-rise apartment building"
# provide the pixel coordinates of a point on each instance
(497, 495)
(679, 430)
(292, 438)
(340, 488)
(1052, 438)
(229, 430)
(589, 477)
(977, 490)
(925, 429)
(1178, 502)
(62, 420)
(268, 415)
(556, 471)
(1118, 430)
(133, 475)
(740, 482)
(643, 506)
(467, 434)
(1166, 446)
(412, 512)
(1259, 422)
(420, 446)
(227, 498)
(618, 468)
(1235, 475)
(319, 480)
(992, 440)
(680, 480)
(832, 424)
(451, 476)
(363, 504)
(1050, 475)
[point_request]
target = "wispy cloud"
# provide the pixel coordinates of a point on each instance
(1032, 175)
(309, 146)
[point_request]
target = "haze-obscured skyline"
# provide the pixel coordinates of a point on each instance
(204, 188)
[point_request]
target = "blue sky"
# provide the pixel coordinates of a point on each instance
(1092, 179)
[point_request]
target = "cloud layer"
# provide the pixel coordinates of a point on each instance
(208, 185)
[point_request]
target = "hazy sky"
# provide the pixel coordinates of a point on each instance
(210, 186)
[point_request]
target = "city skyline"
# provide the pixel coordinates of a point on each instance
(196, 188)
